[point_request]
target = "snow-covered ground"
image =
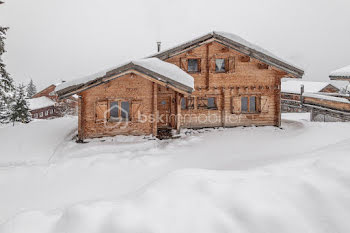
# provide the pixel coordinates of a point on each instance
(254, 179)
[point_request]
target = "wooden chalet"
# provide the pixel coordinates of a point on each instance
(64, 106)
(215, 80)
(293, 89)
(42, 108)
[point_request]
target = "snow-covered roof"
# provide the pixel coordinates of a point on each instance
(40, 102)
(327, 97)
(164, 71)
(341, 73)
(241, 44)
(293, 86)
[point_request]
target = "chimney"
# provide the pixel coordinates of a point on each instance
(158, 46)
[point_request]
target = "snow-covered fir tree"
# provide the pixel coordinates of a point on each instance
(19, 108)
(31, 89)
(6, 83)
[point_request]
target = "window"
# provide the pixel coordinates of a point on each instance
(252, 104)
(249, 104)
(36, 115)
(244, 104)
(183, 103)
(51, 111)
(41, 114)
(193, 65)
(119, 110)
(220, 65)
(114, 110)
(211, 103)
(125, 110)
(206, 103)
(187, 103)
(46, 112)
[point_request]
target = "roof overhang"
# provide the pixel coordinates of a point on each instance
(292, 71)
(124, 70)
(340, 78)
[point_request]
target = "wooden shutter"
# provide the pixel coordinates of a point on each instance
(212, 65)
(183, 63)
(236, 104)
(101, 110)
(264, 104)
(231, 64)
(258, 103)
(227, 65)
(136, 110)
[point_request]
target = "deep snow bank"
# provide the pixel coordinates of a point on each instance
(34, 142)
(310, 195)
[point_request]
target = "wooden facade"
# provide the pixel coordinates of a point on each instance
(243, 78)
(244, 91)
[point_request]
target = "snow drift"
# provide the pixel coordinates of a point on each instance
(264, 180)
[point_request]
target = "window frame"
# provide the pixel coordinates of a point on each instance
(119, 118)
(257, 99)
(198, 65)
(206, 106)
(225, 64)
(41, 114)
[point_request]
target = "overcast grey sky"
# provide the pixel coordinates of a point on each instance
(51, 40)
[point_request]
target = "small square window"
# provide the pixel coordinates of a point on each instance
(220, 65)
(193, 65)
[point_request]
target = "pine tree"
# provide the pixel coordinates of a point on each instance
(6, 82)
(19, 108)
(31, 89)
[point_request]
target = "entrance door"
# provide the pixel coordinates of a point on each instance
(164, 109)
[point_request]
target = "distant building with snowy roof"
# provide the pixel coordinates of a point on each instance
(60, 107)
(42, 107)
(294, 87)
(341, 74)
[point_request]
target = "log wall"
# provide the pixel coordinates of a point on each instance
(246, 76)
(130, 87)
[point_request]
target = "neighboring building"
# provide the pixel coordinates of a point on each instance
(341, 74)
(42, 107)
(49, 92)
(218, 79)
(63, 106)
(291, 92)
(294, 87)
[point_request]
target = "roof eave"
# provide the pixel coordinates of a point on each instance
(71, 90)
(296, 72)
(334, 77)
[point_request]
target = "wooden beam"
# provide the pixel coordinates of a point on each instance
(178, 112)
(245, 59)
(207, 66)
(155, 110)
(263, 66)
